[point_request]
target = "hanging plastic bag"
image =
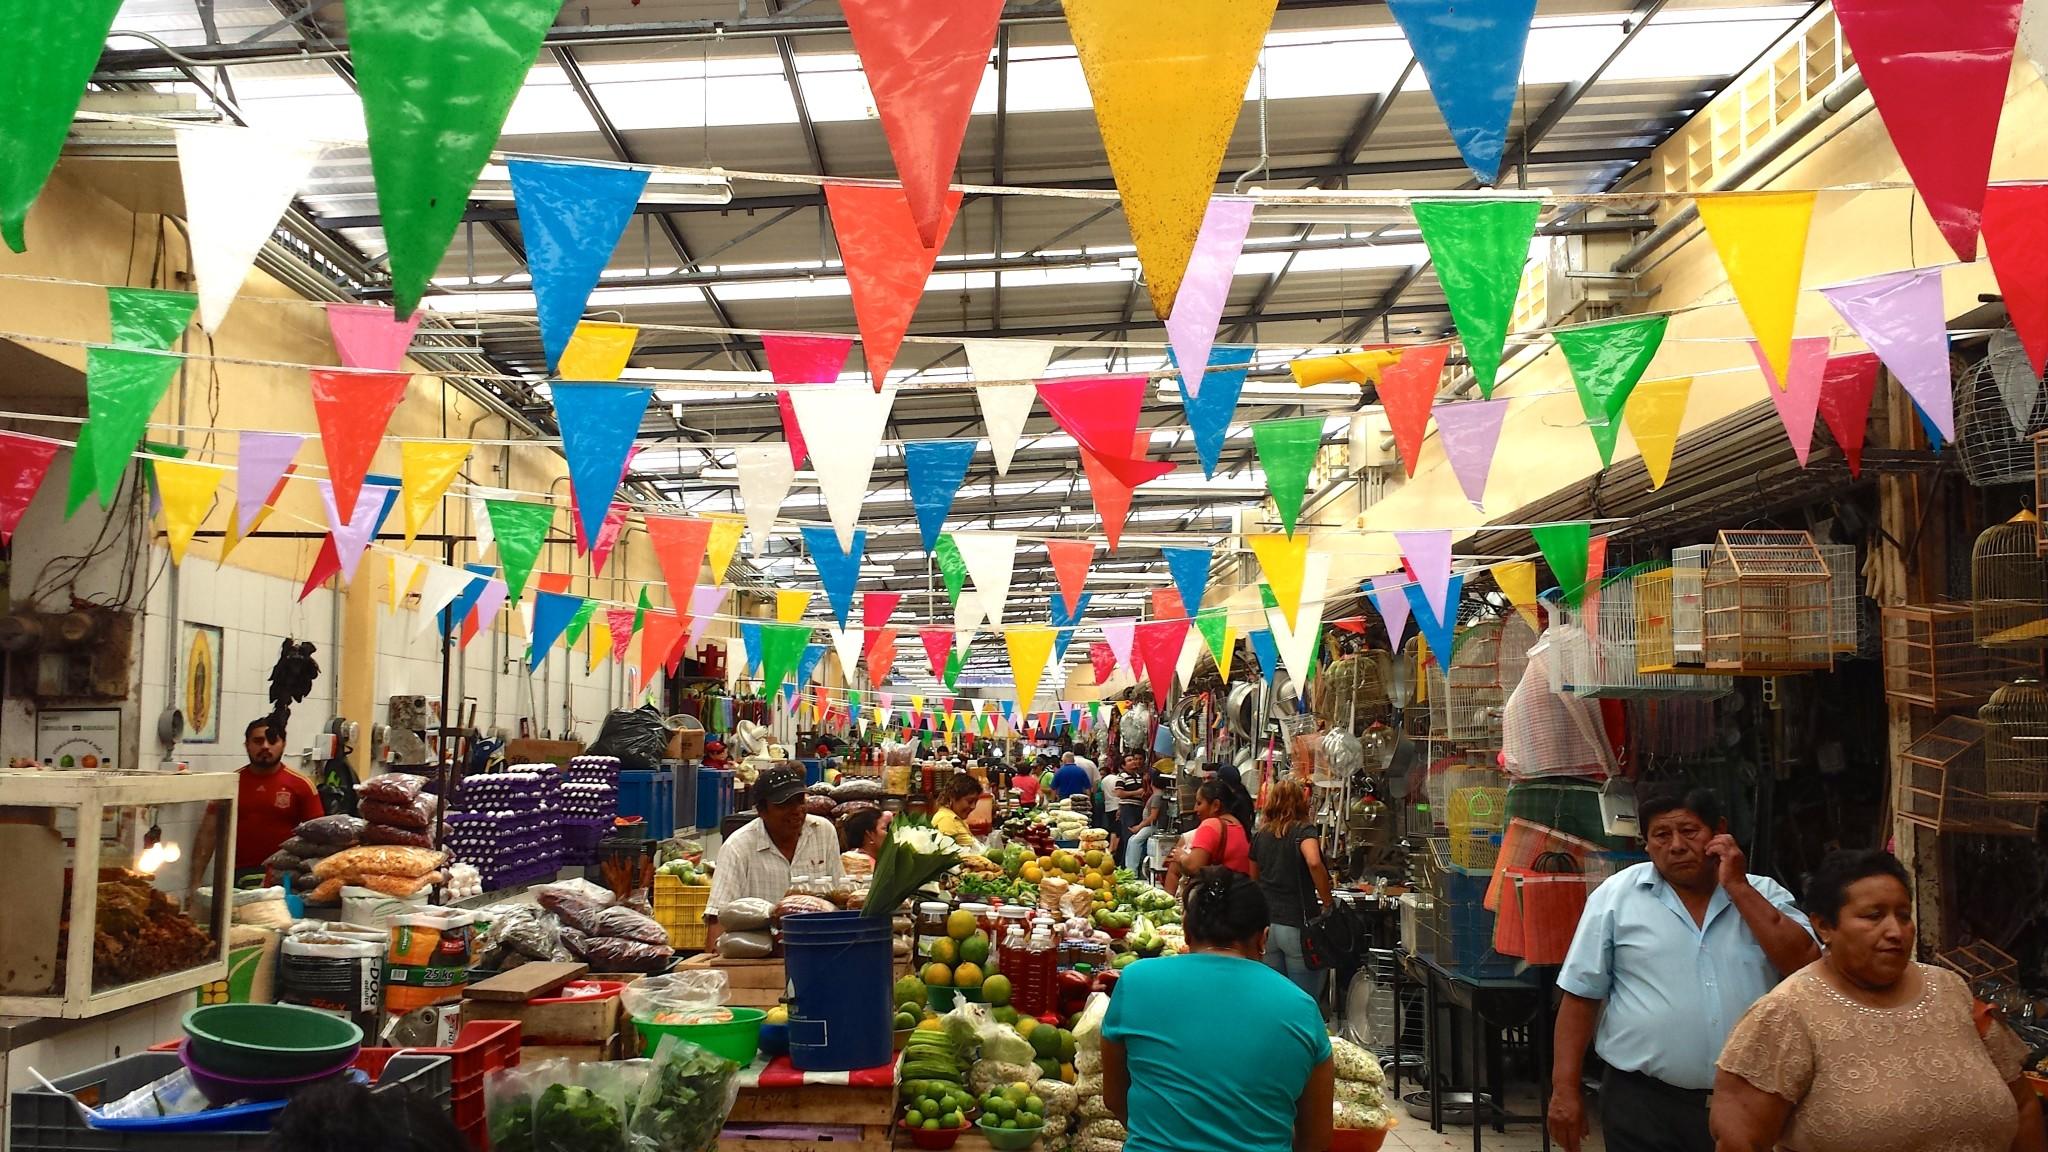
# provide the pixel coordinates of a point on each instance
(685, 992)
(683, 1103)
(637, 736)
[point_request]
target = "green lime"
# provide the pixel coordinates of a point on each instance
(930, 1125)
(914, 1118)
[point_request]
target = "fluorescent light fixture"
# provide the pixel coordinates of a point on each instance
(663, 187)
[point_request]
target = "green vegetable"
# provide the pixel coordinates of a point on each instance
(686, 1099)
(572, 1118)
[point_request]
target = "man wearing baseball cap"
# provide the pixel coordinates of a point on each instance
(782, 841)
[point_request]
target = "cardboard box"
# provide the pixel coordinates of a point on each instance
(749, 983)
(556, 752)
(686, 744)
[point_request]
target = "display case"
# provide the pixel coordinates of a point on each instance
(136, 855)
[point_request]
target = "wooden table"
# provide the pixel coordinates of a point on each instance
(868, 1112)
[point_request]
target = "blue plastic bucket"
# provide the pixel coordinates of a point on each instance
(839, 969)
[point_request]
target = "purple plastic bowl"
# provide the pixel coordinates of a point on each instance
(224, 1090)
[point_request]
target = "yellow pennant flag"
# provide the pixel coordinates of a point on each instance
(598, 351)
(234, 533)
(790, 605)
(1761, 237)
(1282, 559)
(1029, 649)
(724, 540)
(1167, 78)
(1227, 653)
(404, 572)
(187, 491)
(1517, 580)
(1655, 412)
(600, 644)
(1350, 367)
(425, 471)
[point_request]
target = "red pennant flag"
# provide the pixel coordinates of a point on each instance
(881, 655)
(607, 537)
(802, 359)
(1104, 658)
(1407, 392)
(875, 610)
(1070, 561)
(2016, 238)
(1350, 624)
(924, 63)
(1111, 495)
(1938, 73)
(1166, 605)
(792, 432)
(660, 633)
(938, 645)
(24, 461)
(354, 409)
(557, 582)
(1161, 642)
(1101, 412)
(679, 548)
(325, 565)
(1845, 393)
(887, 263)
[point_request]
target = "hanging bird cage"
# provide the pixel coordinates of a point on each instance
(2016, 741)
(1768, 606)
(1932, 658)
(1998, 409)
(2009, 585)
(1943, 785)
(1671, 612)
(2041, 492)
(1465, 703)
(1605, 663)
(1845, 599)
(1352, 691)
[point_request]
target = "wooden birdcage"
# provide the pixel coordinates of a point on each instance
(1352, 691)
(1980, 961)
(2016, 741)
(1844, 597)
(1943, 785)
(2009, 584)
(1767, 605)
(1932, 658)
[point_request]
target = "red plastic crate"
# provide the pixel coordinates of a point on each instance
(468, 1107)
(481, 1046)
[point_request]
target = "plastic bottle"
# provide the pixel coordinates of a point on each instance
(1043, 963)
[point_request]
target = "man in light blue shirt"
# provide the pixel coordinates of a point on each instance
(1667, 957)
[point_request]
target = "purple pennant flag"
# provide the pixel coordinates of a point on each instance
(1798, 402)
(351, 538)
(1429, 559)
(1899, 314)
(1392, 603)
(1471, 431)
(1120, 633)
(488, 604)
(704, 602)
(260, 458)
(1206, 288)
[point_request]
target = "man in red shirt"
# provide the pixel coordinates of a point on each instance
(272, 800)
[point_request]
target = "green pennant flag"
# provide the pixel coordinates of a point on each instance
(148, 318)
(1479, 248)
(1214, 623)
(1287, 450)
(521, 529)
(640, 609)
(50, 53)
(782, 645)
(954, 662)
(1566, 548)
(579, 622)
(122, 389)
(1266, 596)
(952, 568)
(82, 458)
(438, 78)
(1607, 359)
(1095, 711)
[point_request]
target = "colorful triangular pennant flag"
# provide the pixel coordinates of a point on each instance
(1205, 288)
(571, 215)
(843, 427)
(1287, 452)
(1607, 359)
(1470, 432)
(598, 423)
(1479, 248)
(935, 470)
(1761, 237)
(1797, 400)
(1655, 412)
(354, 409)
(838, 568)
(1471, 52)
(887, 263)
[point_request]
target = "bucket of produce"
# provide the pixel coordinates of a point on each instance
(840, 970)
(225, 1090)
(734, 1033)
(268, 1040)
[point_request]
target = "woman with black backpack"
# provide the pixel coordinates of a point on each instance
(1287, 862)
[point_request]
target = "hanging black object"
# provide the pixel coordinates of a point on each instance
(291, 678)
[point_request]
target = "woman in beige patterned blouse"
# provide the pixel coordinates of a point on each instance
(1865, 1050)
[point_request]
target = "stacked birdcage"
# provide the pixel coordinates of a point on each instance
(2009, 584)
(1477, 815)
(2016, 741)
(1465, 700)
(1944, 785)
(1998, 408)
(1932, 658)
(1605, 662)
(1352, 690)
(1845, 600)
(1671, 612)
(1768, 607)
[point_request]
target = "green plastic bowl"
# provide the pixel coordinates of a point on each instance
(1009, 1139)
(268, 1041)
(943, 997)
(738, 1039)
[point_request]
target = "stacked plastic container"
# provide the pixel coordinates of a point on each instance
(509, 824)
(590, 800)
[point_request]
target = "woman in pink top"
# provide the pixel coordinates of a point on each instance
(1223, 837)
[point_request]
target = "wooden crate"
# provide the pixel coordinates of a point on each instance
(568, 1022)
(869, 1112)
(749, 983)
(613, 1047)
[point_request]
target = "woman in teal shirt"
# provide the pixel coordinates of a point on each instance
(1183, 1081)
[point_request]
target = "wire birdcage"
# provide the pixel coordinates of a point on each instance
(1943, 785)
(1999, 406)
(1605, 662)
(2016, 741)
(1768, 604)
(2041, 492)
(1352, 690)
(1671, 612)
(2009, 584)
(1465, 701)
(1477, 815)
(1844, 597)
(1932, 658)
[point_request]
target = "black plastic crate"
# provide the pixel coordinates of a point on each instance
(43, 1121)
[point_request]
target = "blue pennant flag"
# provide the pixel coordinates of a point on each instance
(1440, 634)
(807, 664)
(458, 609)
(750, 640)
(1009, 708)
(1471, 52)
(838, 570)
(552, 612)
(1264, 650)
(936, 469)
(1074, 719)
(391, 485)
(1065, 623)
(1190, 567)
(598, 423)
(571, 215)
(1209, 414)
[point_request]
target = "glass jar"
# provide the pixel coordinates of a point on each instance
(931, 926)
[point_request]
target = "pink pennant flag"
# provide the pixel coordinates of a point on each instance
(1101, 412)
(704, 602)
(1845, 392)
(1120, 633)
(795, 358)
(620, 622)
(607, 537)
(1900, 315)
(371, 335)
(486, 610)
(1206, 288)
(260, 461)
(1388, 597)
(1471, 432)
(1798, 401)
(1428, 555)
(351, 538)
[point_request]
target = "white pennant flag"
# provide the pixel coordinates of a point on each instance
(863, 726)
(442, 585)
(765, 476)
(2034, 35)
(967, 618)
(1297, 645)
(1191, 649)
(843, 428)
(989, 557)
(238, 183)
(403, 569)
(1004, 409)
(846, 642)
(480, 517)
